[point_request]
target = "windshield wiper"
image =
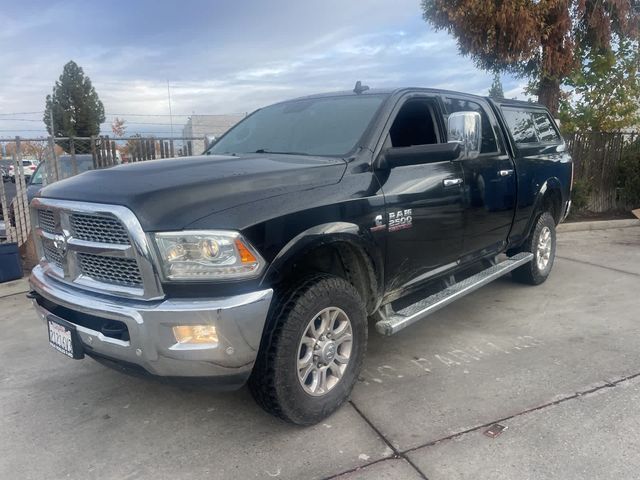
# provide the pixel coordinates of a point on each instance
(209, 152)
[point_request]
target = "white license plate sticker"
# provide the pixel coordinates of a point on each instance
(60, 338)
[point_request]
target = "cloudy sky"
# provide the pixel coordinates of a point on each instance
(218, 56)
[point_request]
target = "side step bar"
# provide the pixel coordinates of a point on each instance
(411, 314)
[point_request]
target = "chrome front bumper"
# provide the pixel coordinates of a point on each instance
(239, 321)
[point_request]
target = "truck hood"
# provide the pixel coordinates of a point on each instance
(170, 194)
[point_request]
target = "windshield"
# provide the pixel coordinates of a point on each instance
(316, 126)
(65, 168)
(36, 178)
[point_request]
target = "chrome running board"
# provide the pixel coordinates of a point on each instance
(398, 320)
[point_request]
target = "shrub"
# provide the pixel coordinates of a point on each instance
(580, 194)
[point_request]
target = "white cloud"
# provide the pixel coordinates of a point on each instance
(234, 58)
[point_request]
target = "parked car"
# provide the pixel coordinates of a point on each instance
(4, 169)
(28, 167)
(84, 162)
(262, 260)
(3, 226)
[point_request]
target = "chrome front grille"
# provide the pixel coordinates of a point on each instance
(121, 271)
(51, 253)
(47, 221)
(98, 229)
(95, 246)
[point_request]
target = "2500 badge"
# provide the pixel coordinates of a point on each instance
(400, 220)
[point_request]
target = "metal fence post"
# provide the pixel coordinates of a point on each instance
(113, 152)
(94, 152)
(106, 144)
(5, 212)
(72, 151)
(21, 203)
(54, 161)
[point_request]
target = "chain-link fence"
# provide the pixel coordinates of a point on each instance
(27, 164)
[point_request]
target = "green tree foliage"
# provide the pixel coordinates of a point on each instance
(605, 90)
(77, 110)
(536, 39)
(496, 91)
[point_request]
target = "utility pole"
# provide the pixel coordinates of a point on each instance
(53, 165)
(53, 132)
(170, 114)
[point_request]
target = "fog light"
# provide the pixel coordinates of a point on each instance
(195, 334)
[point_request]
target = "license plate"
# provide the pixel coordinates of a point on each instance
(62, 337)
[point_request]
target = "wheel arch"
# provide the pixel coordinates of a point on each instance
(354, 256)
(548, 198)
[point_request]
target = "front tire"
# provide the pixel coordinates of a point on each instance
(310, 358)
(542, 243)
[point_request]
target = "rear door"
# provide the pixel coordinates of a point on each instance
(489, 198)
(539, 153)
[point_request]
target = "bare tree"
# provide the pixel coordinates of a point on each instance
(119, 127)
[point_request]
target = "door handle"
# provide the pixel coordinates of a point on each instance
(505, 173)
(450, 182)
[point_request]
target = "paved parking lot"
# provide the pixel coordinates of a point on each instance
(558, 364)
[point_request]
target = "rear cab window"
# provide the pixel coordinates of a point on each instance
(530, 126)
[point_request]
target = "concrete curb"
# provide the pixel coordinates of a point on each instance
(599, 225)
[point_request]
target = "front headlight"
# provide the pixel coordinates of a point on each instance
(207, 255)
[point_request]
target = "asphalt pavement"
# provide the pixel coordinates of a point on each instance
(557, 364)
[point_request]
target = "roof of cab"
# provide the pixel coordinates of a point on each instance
(397, 91)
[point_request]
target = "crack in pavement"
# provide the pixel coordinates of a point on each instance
(529, 410)
(613, 269)
(402, 454)
(13, 294)
(397, 455)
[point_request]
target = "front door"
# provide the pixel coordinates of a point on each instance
(490, 184)
(424, 214)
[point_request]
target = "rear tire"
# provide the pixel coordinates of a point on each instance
(310, 358)
(542, 243)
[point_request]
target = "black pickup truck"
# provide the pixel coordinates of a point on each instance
(263, 259)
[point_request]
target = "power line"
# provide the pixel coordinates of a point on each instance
(143, 114)
(19, 120)
(24, 130)
(103, 123)
(21, 113)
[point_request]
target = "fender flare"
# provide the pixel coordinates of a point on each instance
(552, 184)
(326, 234)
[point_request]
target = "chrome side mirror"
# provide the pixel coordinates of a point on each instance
(465, 128)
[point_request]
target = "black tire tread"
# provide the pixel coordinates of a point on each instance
(262, 382)
(528, 274)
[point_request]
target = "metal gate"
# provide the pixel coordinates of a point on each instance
(50, 160)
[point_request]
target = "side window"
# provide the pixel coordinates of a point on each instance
(528, 126)
(544, 127)
(489, 144)
(414, 124)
